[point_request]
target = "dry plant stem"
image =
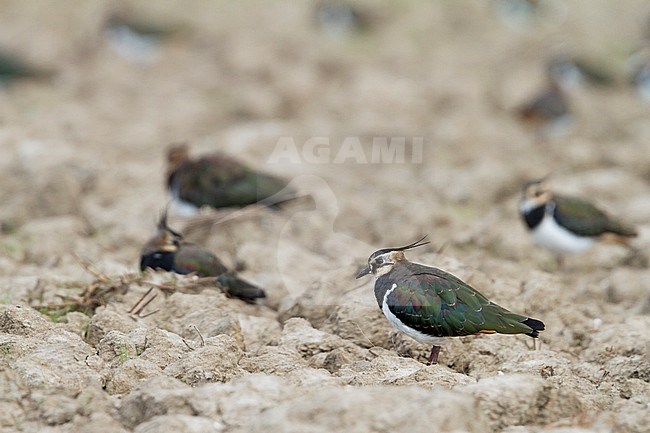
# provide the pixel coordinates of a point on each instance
(131, 311)
(200, 335)
(92, 269)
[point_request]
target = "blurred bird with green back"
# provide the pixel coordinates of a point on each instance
(14, 68)
(564, 224)
(218, 180)
(168, 251)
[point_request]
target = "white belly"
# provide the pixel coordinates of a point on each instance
(548, 234)
(416, 335)
(181, 208)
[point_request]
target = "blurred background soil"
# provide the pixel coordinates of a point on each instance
(81, 187)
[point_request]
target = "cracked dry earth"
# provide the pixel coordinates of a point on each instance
(81, 187)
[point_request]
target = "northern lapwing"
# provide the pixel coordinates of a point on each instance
(167, 251)
(521, 15)
(564, 224)
(136, 39)
(217, 180)
(548, 113)
(572, 72)
(14, 68)
(342, 18)
(430, 305)
(640, 73)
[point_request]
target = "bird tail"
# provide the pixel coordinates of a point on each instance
(621, 229)
(237, 288)
(535, 325)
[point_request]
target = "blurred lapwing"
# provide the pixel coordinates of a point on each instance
(639, 67)
(564, 224)
(341, 18)
(429, 304)
(641, 80)
(167, 251)
(218, 180)
(548, 112)
(13, 68)
(521, 15)
(572, 72)
(137, 40)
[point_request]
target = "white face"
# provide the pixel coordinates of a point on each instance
(535, 195)
(382, 264)
(526, 205)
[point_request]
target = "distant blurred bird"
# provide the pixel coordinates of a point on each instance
(136, 40)
(13, 68)
(639, 65)
(564, 224)
(430, 305)
(517, 14)
(218, 180)
(340, 18)
(548, 112)
(571, 72)
(522, 14)
(167, 251)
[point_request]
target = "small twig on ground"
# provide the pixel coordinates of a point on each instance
(171, 288)
(37, 291)
(92, 269)
(200, 336)
(142, 304)
(188, 346)
(602, 378)
(364, 335)
(131, 311)
(142, 316)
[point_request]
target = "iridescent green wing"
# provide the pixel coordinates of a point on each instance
(205, 181)
(191, 258)
(585, 219)
(238, 288)
(221, 181)
(254, 187)
(439, 304)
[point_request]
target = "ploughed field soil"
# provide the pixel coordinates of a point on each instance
(81, 187)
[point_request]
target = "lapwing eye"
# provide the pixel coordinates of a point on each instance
(379, 261)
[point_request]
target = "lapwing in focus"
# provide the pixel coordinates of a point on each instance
(430, 305)
(167, 251)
